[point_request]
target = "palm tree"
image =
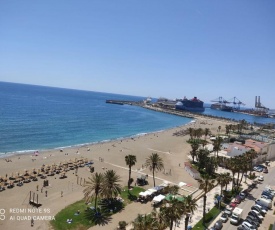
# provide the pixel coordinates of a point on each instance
(111, 187)
(154, 162)
(191, 132)
(221, 180)
(195, 146)
(251, 155)
(206, 133)
(93, 188)
(217, 145)
(206, 184)
(172, 212)
(143, 222)
(130, 161)
(190, 206)
(158, 223)
(227, 179)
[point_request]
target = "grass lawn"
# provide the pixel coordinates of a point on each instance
(209, 217)
(130, 196)
(79, 221)
(270, 227)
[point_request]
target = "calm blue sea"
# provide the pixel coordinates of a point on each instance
(39, 118)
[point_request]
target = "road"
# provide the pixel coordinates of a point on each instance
(250, 201)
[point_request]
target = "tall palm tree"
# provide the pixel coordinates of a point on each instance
(191, 132)
(227, 179)
(93, 188)
(172, 212)
(206, 184)
(251, 155)
(206, 133)
(111, 187)
(154, 162)
(130, 161)
(217, 145)
(221, 179)
(159, 223)
(195, 146)
(190, 206)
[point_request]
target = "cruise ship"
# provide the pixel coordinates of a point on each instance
(192, 105)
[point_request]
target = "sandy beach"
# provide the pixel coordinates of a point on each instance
(109, 155)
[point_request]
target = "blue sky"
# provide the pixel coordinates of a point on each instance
(203, 48)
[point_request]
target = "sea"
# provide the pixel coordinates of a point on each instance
(37, 118)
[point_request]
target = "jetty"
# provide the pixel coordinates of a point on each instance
(122, 102)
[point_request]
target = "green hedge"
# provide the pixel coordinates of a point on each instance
(209, 217)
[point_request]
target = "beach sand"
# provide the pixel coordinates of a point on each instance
(173, 150)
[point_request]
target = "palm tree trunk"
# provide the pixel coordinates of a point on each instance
(204, 206)
(186, 222)
(171, 225)
(96, 202)
(129, 177)
(154, 177)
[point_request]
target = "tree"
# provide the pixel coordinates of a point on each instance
(217, 145)
(250, 156)
(202, 157)
(195, 146)
(143, 222)
(93, 188)
(154, 162)
(158, 223)
(211, 165)
(206, 184)
(111, 187)
(130, 161)
(190, 206)
(172, 212)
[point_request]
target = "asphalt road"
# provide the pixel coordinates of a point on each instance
(250, 201)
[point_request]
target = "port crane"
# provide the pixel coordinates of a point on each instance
(236, 103)
(260, 108)
(220, 100)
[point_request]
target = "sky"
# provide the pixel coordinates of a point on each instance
(157, 48)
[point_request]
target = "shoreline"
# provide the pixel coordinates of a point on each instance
(28, 152)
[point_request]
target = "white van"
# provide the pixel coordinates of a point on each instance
(264, 202)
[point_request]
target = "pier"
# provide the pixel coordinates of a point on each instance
(122, 102)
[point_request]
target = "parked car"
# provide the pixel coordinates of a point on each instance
(258, 209)
(218, 225)
(265, 170)
(238, 199)
(254, 219)
(224, 217)
(248, 226)
(251, 213)
(270, 197)
(242, 195)
(264, 209)
(233, 204)
(259, 169)
(257, 214)
(254, 223)
(261, 178)
(228, 210)
(265, 197)
(269, 193)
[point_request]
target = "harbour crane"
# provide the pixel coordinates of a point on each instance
(236, 103)
(221, 100)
